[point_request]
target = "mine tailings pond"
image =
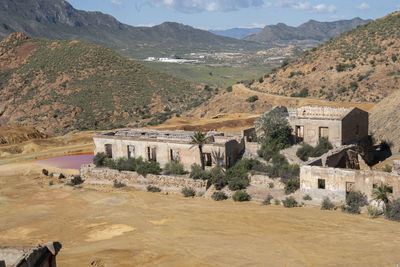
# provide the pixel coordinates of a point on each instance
(67, 162)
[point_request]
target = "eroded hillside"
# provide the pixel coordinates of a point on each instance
(361, 65)
(60, 86)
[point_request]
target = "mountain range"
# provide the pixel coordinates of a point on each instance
(238, 33)
(310, 33)
(57, 19)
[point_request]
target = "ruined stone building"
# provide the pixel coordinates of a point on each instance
(165, 146)
(341, 126)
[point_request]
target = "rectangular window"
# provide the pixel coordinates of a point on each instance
(299, 132)
(108, 149)
(174, 155)
(151, 154)
(323, 132)
(131, 151)
(321, 183)
(207, 159)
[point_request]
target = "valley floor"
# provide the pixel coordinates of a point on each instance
(103, 226)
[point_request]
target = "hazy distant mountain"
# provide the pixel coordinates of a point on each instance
(57, 19)
(238, 33)
(310, 33)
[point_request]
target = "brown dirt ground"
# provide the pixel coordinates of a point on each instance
(103, 226)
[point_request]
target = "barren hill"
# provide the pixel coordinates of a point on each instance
(384, 120)
(360, 65)
(59, 86)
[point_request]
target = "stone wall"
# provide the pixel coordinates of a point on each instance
(339, 181)
(166, 183)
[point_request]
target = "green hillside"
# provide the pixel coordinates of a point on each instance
(59, 86)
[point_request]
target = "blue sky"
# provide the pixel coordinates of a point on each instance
(223, 14)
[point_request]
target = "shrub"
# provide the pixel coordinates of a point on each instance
(302, 93)
(354, 200)
(241, 196)
(197, 173)
(218, 178)
(154, 189)
(123, 164)
(327, 204)
(277, 201)
(271, 185)
(252, 99)
(99, 159)
(146, 167)
(394, 210)
(218, 196)
(118, 184)
(387, 168)
(77, 180)
(188, 192)
(174, 167)
(304, 151)
(229, 89)
(45, 172)
(51, 183)
(267, 200)
(292, 186)
(251, 165)
(374, 212)
(290, 202)
(307, 197)
(323, 146)
(237, 178)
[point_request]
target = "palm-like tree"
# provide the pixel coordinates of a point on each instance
(380, 193)
(199, 139)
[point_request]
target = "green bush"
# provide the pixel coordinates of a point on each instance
(218, 196)
(237, 178)
(292, 186)
(302, 93)
(277, 201)
(218, 178)
(99, 159)
(374, 212)
(229, 89)
(252, 165)
(290, 202)
(307, 197)
(241, 196)
(267, 200)
(188, 192)
(252, 99)
(174, 167)
(154, 189)
(323, 146)
(304, 151)
(197, 173)
(118, 184)
(77, 180)
(148, 167)
(327, 204)
(354, 201)
(394, 210)
(387, 168)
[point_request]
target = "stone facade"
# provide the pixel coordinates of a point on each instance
(340, 125)
(166, 183)
(40, 256)
(166, 146)
(319, 182)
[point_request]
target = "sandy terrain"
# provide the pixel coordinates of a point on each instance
(102, 226)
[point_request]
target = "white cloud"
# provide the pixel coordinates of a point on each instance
(322, 8)
(116, 2)
(302, 6)
(364, 6)
(196, 6)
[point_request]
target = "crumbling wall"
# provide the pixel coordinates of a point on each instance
(338, 181)
(166, 183)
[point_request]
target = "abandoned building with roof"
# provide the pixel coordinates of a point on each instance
(167, 146)
(342, 126)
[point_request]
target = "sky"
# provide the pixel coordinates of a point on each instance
(225, 14)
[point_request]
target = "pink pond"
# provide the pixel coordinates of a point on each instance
(67, 162)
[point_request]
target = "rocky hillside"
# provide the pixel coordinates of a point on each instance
(57, 19)
(59, 86)
(384, 120)
(14, 135)
(360, 65)
(310, 33)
